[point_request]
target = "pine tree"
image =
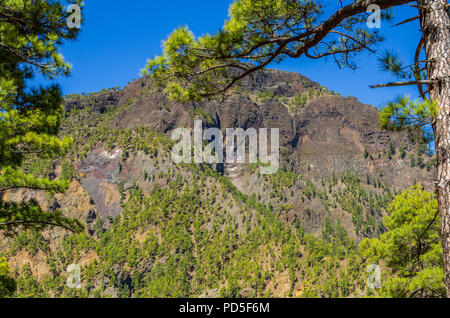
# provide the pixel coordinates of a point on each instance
(261, 32)
(31, 32)
(7, 283)
(411, 248)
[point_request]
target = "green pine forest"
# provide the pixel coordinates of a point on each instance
(186, 230)
(180, 239)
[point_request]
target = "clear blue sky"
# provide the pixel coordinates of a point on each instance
(119, 36)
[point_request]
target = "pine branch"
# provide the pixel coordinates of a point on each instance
(416, 66)
(408, 20)
(407, 83)
(191, 78)
(18, 223)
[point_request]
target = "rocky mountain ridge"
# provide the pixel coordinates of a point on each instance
(321, 132)
(155, 229)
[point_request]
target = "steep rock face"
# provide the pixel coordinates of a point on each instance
(334, 132)
(321, 134)
(328, 133)
(100, 178)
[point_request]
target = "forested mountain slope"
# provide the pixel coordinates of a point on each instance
(156, 229)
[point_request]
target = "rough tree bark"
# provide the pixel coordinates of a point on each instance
(435, 23)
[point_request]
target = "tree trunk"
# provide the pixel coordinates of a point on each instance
(435, 23)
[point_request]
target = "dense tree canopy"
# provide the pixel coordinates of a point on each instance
(31, 32)
(411, 248)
